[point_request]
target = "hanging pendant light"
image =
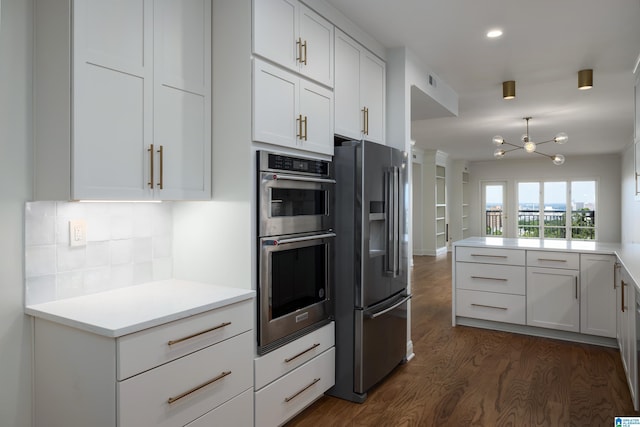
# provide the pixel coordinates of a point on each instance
(530, 146)
(509, 89)
(585, 79)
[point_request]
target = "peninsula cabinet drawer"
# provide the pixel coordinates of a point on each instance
(287, 396)
(238, 412)
(152, 347)
(490, 255)
(491, 306)
(551, 259)
(284, 359)
(178, 392)
(505, 279)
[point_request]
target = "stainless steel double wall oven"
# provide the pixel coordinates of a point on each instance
(295, 247)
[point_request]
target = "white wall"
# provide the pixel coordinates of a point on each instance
(630, 215)
(16, 145)
(605, 169)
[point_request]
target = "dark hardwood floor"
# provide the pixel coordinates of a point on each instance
(473, 377)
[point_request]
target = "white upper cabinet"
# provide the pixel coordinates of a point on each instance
(295, 37)
(359, 90)
(291, 111)
(137, 125)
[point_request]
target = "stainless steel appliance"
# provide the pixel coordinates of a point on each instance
(371, 265)
(295, 247)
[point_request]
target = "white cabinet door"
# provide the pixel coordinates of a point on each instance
(316, 34)
(112, 97)
(360, 85)
(553, 299)
(182, 104)
(372, 95)
(290, 111)
(275, 31)
(597, 295)
(316, 105)
(627, 311)
(295, 37)
(348, 111)
(275, 105)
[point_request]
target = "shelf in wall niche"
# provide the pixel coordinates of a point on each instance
(376, 253)
(376, 217)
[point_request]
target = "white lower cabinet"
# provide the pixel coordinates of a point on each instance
(291, 377)
(597, 295)
(553, 299)
(168, 375)
(626, 312)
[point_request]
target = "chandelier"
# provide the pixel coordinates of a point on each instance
(529, 146)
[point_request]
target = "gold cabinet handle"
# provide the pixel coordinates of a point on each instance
(161, 151)
(489, 306)
(490, 256)
(290, 398)
(304, 45)
(622, 307)
(305, 128)
(197, 334)
(552, 260)
(490, 278)
(576, 287)
(299, 45)
(289, 359)
(299, 122)
(365, 120)
(151, 153)
(637, 176)
(201, 386)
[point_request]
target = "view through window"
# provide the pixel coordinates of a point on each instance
(567, 210)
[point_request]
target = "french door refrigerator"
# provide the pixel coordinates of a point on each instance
(370, 265)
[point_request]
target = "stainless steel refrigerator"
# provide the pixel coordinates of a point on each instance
(370, 265)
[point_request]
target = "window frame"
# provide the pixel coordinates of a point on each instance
(569, 211)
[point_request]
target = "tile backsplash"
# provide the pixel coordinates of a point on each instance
(127, 244)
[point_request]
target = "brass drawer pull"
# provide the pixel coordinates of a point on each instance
(490, 256)
(489, 306)
(150, 150)
(489, 278)
(552, 260)
(161, 183)
(193, 390)
(289, 359)
(222, 325)
(290, 398)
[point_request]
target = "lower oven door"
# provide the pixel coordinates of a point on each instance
(294, 290)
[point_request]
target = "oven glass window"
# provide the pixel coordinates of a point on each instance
(298, 279)
(296, 202)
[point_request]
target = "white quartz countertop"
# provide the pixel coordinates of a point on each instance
(628, 254)
(127, 310)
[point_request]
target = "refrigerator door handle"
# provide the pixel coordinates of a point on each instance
(386, 310)
(392, 207)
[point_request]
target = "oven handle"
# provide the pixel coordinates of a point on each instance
(277, 176)
(298, 239)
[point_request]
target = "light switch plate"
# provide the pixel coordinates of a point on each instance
(77, 232)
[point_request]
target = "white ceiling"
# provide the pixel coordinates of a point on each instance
(545, 43)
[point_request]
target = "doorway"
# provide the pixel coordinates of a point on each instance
(494, 209)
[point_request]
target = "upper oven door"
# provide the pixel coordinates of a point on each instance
(292, 204)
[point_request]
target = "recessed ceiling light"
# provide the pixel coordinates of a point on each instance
(492, 34)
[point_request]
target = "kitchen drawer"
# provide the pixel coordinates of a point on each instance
(506, 279)
(152, 347)
(490, 255)
(284, 398)
(238, 412)
(552, 259)
(273, 365)
(491, 306)
(143, 400)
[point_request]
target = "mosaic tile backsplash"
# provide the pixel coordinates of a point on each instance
(127, 244)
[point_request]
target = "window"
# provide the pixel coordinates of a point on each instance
(557, 210)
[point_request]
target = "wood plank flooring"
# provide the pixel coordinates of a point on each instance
(472, 377)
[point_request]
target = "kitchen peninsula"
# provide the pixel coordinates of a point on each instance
(580, 291)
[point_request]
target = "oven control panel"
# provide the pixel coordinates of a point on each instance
(281, 163)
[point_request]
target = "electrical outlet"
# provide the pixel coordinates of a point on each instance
(77, 232)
